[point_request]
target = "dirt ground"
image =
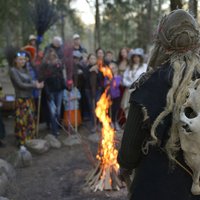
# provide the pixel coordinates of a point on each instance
(56, 175)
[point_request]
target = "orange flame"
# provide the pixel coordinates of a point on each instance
(107, 153)
(105, 70)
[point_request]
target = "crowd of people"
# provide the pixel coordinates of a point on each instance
(152, 142)
(46, 87)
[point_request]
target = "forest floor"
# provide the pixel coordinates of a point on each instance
(56, 175)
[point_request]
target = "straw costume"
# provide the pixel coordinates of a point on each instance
(151, 141)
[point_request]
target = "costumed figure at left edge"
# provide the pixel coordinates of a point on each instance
(161, 140)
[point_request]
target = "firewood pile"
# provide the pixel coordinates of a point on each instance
(104, 175)
(103, 178)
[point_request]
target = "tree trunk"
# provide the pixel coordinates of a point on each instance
(7, 35)
(193, 5)
(63, 26)
(160, 2)
(149, 21)
(175, 4)
(97, 27)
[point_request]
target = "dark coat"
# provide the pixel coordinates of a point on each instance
(52, 75)
(2, 127)
(155, 179)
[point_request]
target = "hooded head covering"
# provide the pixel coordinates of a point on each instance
(177, 33)
(177, 41)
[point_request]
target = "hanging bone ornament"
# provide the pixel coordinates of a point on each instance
(189, 132)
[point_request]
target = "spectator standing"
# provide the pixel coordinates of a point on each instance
(100, 54)
(32, 41)
(71, 97)
(51, 73)
(100, 78)
(123, 63)
(78, 68)
(57, 46)
(79, 64)
(77, 44)
(123, 60)
(115, 94)
(132, 73)
(80, 55)
(36, 54)
(91, 88)
(30, 56)
(23, 84)
(109, 57)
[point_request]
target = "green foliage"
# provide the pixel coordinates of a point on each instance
(129, 23)
(17, 25)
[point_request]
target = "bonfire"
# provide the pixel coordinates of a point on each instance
(104, 176)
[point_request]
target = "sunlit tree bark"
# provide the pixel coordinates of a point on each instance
(150, 20)
(97, 26)
(193, 5)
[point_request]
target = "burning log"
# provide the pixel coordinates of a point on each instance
(104, 176)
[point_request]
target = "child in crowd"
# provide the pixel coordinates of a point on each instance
(115, 94)
(71, 97)
(91, 88)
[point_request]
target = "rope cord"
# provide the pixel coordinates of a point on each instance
(180, 165)
(183, 167)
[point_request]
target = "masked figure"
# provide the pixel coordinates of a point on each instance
(160, 141)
